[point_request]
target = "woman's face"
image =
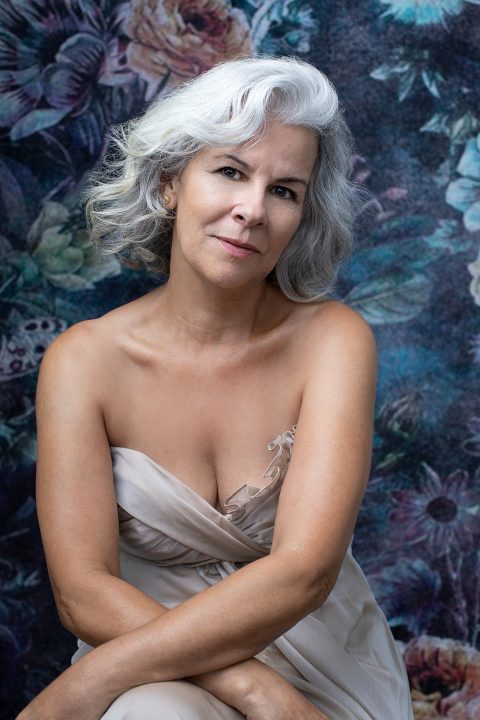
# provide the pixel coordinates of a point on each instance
(238, 195)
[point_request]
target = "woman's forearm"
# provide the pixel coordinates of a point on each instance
(105, 607)
(223, 625)
(111, 607)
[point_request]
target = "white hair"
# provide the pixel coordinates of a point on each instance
(229, 104)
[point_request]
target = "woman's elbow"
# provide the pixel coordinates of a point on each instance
(67, 603)
(319, 588)
(75, 602)
(313, 583)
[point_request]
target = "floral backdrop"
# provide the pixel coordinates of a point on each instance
(408, 74)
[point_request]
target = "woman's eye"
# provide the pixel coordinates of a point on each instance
(279, 191)
(229, 172)
(283, 192)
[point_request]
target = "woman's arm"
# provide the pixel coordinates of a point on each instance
(78, 519)
(318, 506)
(111, 607)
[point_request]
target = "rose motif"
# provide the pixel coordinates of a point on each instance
(176, 39)
(452, 667)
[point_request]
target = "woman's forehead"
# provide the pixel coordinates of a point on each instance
(291, 145)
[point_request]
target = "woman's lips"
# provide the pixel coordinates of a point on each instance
(236, 250)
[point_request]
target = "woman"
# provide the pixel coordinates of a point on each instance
(233, 592)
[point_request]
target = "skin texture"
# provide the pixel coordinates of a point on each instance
(248, 364)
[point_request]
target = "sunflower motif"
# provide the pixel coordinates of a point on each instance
(443, 514)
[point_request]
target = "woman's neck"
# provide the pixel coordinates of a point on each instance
(206, 315)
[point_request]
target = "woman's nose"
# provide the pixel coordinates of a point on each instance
(250, 208)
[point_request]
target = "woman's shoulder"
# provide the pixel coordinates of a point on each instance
(73, 360)
(332, 328)
(330, 318)
(100, 351)
(102, 333)
(90, 343)
(81, 338)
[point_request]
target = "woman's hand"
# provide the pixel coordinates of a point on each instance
(285, 706)
(78, 693)
(271, 697)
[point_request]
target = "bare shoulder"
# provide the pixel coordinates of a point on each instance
(334, 316)
(81, 333)
(81, 356)
(77, 344)
(335, 330)
(98, 338)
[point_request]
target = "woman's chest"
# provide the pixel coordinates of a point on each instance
(210, 427)
(166, 521)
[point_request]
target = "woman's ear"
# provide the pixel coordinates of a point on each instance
(169, 197)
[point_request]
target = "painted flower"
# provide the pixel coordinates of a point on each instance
(423, 12)
(464, 193)
(441, 513)
(401, 416)
(52, 55)
(474, 270)
(65, 255)
(449, 666)
(407, 593)
(176, 39)
(283, 28)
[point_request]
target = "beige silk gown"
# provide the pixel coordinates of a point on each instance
(174, 544)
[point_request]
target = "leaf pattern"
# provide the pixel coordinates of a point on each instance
(408, 75)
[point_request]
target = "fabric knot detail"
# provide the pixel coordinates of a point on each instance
(241, 499)
(279, 464)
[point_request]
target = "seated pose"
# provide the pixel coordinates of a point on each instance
(203, 451)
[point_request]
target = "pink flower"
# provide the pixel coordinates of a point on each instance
(449, 665)
(176, 39)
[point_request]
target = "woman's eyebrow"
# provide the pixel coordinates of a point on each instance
(290, 179)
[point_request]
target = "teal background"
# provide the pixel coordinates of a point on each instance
(408, 75)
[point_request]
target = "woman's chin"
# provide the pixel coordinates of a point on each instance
(236, 286)
(232, 280)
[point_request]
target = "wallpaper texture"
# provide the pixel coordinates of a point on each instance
(408, 75)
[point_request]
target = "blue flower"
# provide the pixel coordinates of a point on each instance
(422, 12)
(287, 27)
(464, 193)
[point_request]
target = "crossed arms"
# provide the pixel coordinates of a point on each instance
(137, 639)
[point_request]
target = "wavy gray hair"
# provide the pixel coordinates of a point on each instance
(229, 104)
